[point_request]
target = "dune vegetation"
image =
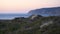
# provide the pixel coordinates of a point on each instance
(35, 25)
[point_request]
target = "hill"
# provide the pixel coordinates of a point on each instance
(54, 11)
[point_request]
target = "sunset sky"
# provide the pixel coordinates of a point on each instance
(24, 6)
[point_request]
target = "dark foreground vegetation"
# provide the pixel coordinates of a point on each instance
(34, 24)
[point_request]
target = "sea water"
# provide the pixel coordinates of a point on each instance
(12, 16)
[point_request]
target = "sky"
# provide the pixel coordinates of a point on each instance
(24, 6)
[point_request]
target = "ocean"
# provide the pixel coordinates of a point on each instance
(12, 16)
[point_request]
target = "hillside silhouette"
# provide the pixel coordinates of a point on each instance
(54, 11)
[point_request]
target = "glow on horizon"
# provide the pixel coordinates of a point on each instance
(23, 6)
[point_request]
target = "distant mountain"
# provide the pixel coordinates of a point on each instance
(55, 11)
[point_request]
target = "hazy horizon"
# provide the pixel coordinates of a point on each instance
(24, 6)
